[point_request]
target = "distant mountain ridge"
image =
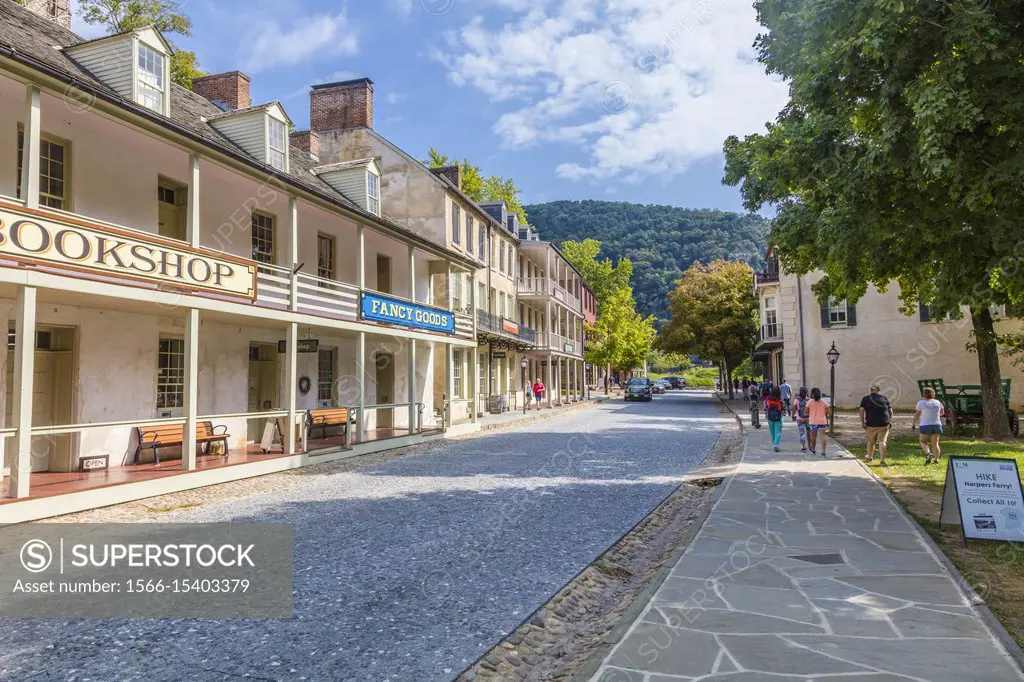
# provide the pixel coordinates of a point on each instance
(661, 241)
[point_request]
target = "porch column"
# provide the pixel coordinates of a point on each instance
(449, 381)
(360, 361)
(192, 219)
(293, 249)
(24, 370)
(30, 160)
(550, 384)
(361, 255)
(411, 370)
(474, 366)
(291, 383)
(188, 442)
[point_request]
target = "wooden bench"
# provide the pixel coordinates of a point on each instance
(326, 418)
(171, 435)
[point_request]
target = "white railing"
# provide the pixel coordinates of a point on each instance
(327, 298)
(542, 286)
(273, 287)
(464, 325)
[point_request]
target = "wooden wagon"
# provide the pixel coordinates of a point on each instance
(963, 403)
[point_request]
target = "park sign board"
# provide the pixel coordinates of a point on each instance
(387, 309)
(984, 496)
(129, 257)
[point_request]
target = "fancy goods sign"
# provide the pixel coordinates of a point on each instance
(394, 311)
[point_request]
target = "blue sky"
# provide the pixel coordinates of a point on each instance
(625, 100)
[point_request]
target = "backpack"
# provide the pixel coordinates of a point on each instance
(774, 411)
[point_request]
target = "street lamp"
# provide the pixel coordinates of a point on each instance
(587, 376)
(524, 363)
(833, 357)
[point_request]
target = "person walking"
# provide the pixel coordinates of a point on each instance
(799, 408)
(929, 414)
(746, 388)
(528, 394)
(538, 392)
(817, 412)
(876, 419)
(736, 384)
(787, 396)
(773, 412)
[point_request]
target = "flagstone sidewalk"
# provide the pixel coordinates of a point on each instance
(806, 569)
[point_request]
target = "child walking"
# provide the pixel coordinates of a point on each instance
(774, 410)
(817, 411)
(799, 408)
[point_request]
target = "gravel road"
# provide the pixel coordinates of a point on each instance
(411, 569)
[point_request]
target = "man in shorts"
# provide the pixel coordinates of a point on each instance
(875, 419)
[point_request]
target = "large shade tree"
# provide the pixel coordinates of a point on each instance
(898, 157)
(714, 315)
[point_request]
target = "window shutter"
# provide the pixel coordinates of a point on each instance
(851, 315)
(924, 312)
(825, 323)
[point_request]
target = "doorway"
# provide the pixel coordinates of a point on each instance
(171, 200)
(385, 378)
(53, 382)
(383, 274)
(263, 387)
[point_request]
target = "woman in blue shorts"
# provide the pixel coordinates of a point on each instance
(929, 414)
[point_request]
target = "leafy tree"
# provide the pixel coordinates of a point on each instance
(660, 241)
(472, 180)
(120, 16)
(897, 158)
(661, 362)
(621, 337)
(477, 187)
(713, 315)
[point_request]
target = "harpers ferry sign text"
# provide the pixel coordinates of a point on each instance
(68, 243)
(394, 311)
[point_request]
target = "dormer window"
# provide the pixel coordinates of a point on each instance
(151, 78)
(373, 192)
(278, 143)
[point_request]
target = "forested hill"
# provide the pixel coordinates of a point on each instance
(661, 241)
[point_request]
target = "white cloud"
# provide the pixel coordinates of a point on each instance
(645, 87)
(403, 7)
(269, 44)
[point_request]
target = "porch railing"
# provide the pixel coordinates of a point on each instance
(487, 322)
(543, 286)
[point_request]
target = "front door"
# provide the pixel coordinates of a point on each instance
(172, 211)
(53, 383)
(263, 388)
(383, 274)
(385, 377)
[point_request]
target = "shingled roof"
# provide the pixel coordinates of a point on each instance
(38, 43)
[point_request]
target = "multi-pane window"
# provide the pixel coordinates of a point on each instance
(456, 224)
(482, 245)
(457, 372)
(837, 311)
(469, 233)
(482, 374)
(262, 238)
(151, 78)
(325, 377)
(501, 257)
(481, 296)
(373, 193)
(278, 145)
(52, 172)
(457, 293)
(170, 376)
(324, 256)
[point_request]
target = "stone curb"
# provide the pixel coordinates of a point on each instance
(600, 653)
(1009, 644)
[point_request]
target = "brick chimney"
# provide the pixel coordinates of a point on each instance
(452, 173)
(307, 141)
(229, 91)
(57, 11)
(336, 106)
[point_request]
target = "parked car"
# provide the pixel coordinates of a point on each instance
(659, 387)
(676, 382)
(640, 388)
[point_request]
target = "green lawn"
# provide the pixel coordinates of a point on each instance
(907, 459)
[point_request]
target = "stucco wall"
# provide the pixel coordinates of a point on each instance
(885, 346)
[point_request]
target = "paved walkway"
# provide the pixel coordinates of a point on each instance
(806, 570)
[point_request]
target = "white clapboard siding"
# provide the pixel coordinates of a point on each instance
(351, 182)
(111, 61)
(248, 130)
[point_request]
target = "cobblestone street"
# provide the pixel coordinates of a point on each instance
(411, 569)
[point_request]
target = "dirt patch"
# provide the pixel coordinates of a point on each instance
(558, 639)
